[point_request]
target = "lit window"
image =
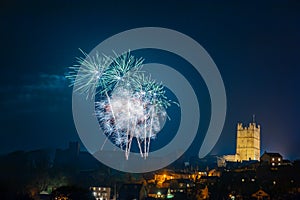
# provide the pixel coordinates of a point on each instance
(278, 163)
(273, 164)
(243, 180)
(279, 159)
(273, 159)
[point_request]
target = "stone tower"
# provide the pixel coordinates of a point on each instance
(248, 142)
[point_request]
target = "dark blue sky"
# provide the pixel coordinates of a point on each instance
(255, 46)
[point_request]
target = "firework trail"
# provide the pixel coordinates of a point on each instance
(131, 105)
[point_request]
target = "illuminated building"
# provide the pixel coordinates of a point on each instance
(101, 193)
(273, 159)
(248, 142)
(160, 193)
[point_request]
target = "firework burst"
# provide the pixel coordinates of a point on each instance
(131, 105)
(87, 73)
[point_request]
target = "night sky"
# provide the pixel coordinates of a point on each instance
(255, 46)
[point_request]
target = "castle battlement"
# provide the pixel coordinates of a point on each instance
(250, 127)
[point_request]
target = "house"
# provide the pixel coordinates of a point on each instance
(181, 185)
(101, 193)
(132, 192)
(159, 193)
(272, 159)
(185, 183)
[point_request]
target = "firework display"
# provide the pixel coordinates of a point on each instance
(129, 104)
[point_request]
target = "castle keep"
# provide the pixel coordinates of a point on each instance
(248, 142)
